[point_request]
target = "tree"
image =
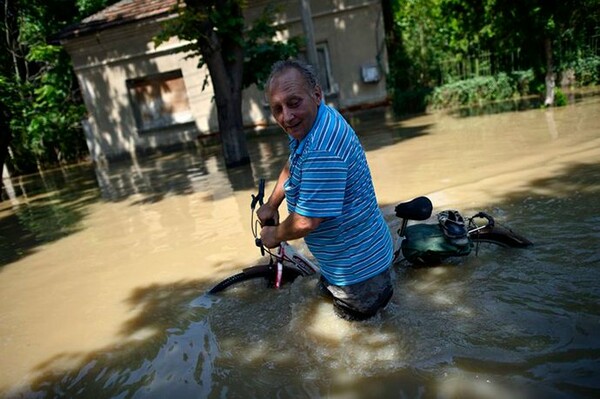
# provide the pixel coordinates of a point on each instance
(236, 57)
(399, 79)
(39, 96)
(545, 36)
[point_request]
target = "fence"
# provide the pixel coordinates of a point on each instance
(484, 64)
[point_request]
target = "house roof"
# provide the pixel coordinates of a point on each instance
(123, 12)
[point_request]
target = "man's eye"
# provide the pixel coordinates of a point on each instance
(294, 103)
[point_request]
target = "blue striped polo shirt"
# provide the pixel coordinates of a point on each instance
(330, 179)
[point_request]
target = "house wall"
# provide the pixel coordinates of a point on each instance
(105, 60)
(353, 33)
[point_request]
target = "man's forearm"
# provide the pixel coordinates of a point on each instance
(278, 194)
(296, 226)
(293, 227)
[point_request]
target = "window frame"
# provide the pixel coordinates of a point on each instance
(163, 120)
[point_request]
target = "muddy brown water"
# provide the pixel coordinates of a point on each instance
(104, 273)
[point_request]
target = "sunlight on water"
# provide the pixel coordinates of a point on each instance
(105, 273)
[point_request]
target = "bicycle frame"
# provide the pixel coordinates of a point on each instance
(286, 255)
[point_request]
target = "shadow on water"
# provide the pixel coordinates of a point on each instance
(161, 315)
(184, 344)
(380, 123)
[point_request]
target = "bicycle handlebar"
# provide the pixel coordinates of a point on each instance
(259, 198)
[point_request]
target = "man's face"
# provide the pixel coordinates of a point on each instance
(293, 104)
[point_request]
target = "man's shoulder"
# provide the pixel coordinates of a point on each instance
(332, 127)
(330, 113)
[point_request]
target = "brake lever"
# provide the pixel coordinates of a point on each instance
(259, 197)
(259, 244)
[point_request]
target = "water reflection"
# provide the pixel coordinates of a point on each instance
(43, 208)
(102, 288)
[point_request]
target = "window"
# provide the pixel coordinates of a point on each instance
(325, 77)
(159, 100)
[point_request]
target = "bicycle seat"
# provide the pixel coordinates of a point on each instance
(419, 208)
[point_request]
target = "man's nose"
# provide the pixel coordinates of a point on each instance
(287, 115)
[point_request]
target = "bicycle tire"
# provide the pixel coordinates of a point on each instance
(259, 271)
(501, 236)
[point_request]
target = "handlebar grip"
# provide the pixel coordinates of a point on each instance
(269, 222)
(259, 244)
(489, 218)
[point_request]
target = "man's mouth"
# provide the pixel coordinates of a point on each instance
(292, 127)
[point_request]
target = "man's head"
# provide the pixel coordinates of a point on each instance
(294, 96)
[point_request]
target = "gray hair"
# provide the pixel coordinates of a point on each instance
(308, 72)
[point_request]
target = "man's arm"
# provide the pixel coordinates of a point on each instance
(293, 227)
(278, 193)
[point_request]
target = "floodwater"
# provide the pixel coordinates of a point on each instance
(104, 273)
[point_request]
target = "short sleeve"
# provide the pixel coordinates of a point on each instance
(323, 185)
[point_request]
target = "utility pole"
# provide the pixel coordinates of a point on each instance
(309, 33)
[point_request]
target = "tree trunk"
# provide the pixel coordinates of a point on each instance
(228, 98)
(225, 61)
(550, 75)
(388, 24)
(5, 137)
(396, 52)
(233, 139)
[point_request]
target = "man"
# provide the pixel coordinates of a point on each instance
(330, 196)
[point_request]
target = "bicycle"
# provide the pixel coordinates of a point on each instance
(285, 263)
(420, 244)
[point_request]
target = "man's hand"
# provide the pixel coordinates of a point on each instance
(268, 236)
(267, 213)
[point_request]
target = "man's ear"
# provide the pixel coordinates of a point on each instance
(318, 93)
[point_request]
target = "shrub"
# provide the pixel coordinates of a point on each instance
(560, 99)
(475, 91)
(523, 81)
(587, 70)
(411, 101)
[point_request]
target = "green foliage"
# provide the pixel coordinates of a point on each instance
(446, 40)
(587, 70)
(262, 50)
(45, 123)
(38, 90)
(479, 90)
(411, 101)
(88, 7)
(523, 81)
(560, 99)
(424, 38)
(258, 41)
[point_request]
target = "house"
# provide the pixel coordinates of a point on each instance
(141, 97)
